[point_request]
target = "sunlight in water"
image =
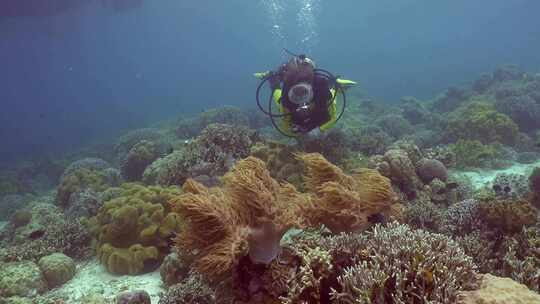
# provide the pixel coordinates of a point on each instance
(307, 23)
(275, 9)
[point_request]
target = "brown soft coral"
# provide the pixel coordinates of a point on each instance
(344, 202)
(247, 216)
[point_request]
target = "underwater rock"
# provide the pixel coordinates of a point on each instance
(133, 297)
(57, 268)
(496, 290)
(21, 279)
(173, 270)
(429, 169)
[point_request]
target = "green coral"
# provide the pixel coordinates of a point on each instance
(473, 153)
(134, 228)
(480, 121)
(79, 180)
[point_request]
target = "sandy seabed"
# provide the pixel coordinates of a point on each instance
(92, 278)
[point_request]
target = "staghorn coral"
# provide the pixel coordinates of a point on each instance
(134, 228)
(343, 202)
(247, 217)
(401, 265)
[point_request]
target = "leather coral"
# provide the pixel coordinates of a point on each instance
(345, 203)
(247, 216)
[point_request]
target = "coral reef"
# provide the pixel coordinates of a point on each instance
(430, 169)
(508, 215)
(134, 229)
(534, 184)
(510, 186)
(480, 121)
(247, 217)
(91, 174)
(138, 158)
(21, 279)
(395, 125)
(343, 202)
(210, 155)
(392, 264)
(10, 203)
(474, 154)
(280, 160)
(190, 127)
(38, 238)
(57, 269)
(369, 140)
(192, 290)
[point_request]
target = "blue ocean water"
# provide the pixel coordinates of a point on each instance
(82, 74)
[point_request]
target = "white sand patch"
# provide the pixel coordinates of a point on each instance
(2, 225)
(481, 178)
(91, 278)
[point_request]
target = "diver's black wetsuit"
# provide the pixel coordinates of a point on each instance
(319, 115)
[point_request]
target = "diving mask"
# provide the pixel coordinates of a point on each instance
(301, 94)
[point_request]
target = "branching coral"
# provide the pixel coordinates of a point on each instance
(247, 217)
(405, 266)
(343, 202)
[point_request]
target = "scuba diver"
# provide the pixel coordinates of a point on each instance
(305, 96)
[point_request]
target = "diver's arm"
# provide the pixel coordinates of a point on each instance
(273, 78)
(345, 83)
